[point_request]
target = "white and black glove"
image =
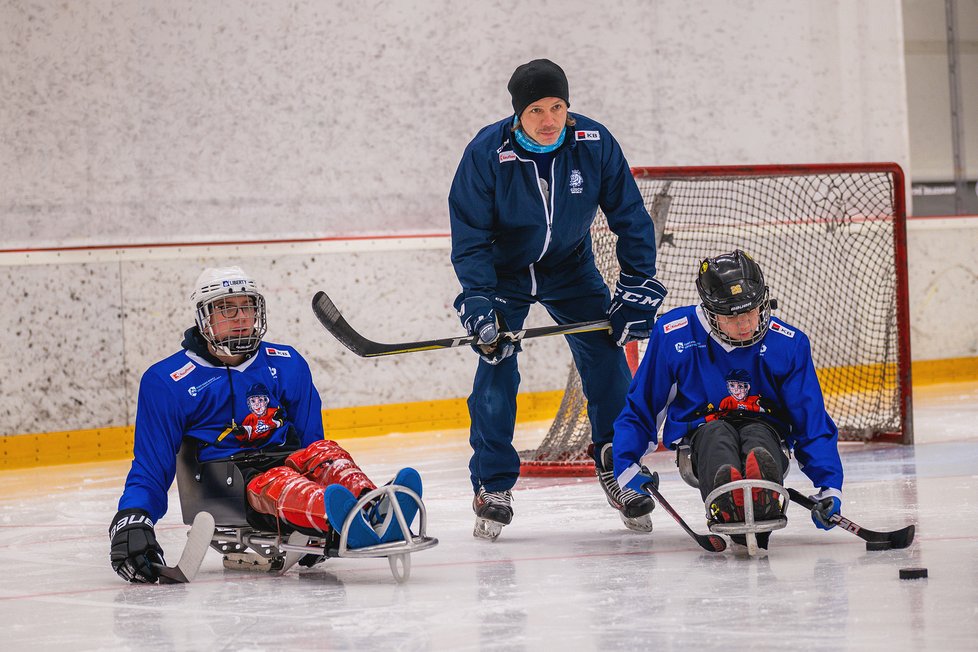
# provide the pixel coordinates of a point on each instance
(633, 308)
(134, 548)
(479, 318)
(827, 505)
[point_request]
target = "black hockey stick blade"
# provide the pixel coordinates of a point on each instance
(709, 542)
(198, 541)
(329, 316)
(897, 538)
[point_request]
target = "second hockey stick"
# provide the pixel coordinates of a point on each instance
(329, 316)
(897, 538)
(710, 542)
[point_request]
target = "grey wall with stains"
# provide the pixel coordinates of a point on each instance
(134, 121)
(80, 334)
(129, 122)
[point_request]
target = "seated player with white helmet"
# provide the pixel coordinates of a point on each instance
(228, 392)
(733, 383)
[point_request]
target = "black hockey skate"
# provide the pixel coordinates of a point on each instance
(493, 510)
(633, 507)
(728, 507)
(747, 509)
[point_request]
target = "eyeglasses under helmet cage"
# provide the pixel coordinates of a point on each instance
(216, 284)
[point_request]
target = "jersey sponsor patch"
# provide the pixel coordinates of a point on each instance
(183, 371)
(676, 323)
(507, 156)
(193, 391)
(279, 352)
(784, 330)
(587, 135)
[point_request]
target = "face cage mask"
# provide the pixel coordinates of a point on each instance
(763, 322)
(233, 344)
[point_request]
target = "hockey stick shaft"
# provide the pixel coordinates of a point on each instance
(329, 316)
(897, 538)
(709, 542)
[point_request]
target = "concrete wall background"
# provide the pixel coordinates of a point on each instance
(87, 326)
(126, 122)
(141, 121)
(928, 97)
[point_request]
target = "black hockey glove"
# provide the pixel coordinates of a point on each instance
(134, 548)
(633, 308)
(279, 417)
(479, 318)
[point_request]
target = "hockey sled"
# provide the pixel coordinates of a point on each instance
(750, 527)
(684, 463)
(252, 541)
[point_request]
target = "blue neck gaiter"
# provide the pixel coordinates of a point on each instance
(533, 146)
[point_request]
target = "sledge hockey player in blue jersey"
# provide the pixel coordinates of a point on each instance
(734, 383)
(228, 392)
(521, 206)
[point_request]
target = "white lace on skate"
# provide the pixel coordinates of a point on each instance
(620, 498)
(483, 504)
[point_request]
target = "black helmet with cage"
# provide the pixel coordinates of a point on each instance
(732, 284)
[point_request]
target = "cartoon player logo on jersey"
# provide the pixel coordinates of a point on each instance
(262, 421)
(739, 399)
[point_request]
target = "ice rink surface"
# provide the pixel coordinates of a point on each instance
(566, 575)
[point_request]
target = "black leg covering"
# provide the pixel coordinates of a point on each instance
(722, 442)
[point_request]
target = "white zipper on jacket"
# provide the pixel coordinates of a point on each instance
(549, 210)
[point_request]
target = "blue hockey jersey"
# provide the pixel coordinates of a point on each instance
(227, 409)
(504, 223)
(688, 376)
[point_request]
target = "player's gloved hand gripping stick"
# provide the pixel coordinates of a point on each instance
(709, 542)
(895, 539)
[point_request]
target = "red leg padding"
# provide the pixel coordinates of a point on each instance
(290, 497)
(294, 492)
(325, 463)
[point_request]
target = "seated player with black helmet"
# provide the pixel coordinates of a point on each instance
(227, 393)
(734, 383)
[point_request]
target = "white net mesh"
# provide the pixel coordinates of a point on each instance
(828, 240)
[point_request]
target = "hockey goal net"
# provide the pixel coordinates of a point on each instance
(831, 240)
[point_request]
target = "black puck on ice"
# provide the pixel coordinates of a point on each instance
(878, 545)
(913, 573)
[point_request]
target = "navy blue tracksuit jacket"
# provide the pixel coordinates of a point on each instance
(516, 243)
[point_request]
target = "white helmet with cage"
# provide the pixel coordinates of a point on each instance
(231, 326)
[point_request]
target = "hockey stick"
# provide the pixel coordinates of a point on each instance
(330, 317)
(897, 538)
(198, 541)
(709, 542)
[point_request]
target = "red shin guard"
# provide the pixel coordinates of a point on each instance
(288, 496)
(325, 463)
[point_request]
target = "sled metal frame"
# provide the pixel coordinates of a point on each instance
(218, 488)
(749, 527)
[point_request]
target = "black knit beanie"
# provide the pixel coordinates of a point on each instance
(536, 80)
